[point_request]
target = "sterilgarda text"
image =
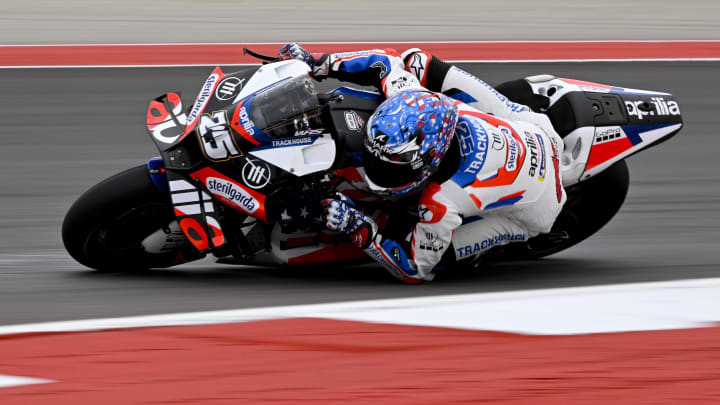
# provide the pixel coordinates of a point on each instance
(232, 192)
(203, 97)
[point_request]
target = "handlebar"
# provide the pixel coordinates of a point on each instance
(266, 59)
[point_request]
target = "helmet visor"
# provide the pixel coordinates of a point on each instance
(391, 174)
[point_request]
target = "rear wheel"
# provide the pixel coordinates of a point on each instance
(105, 227)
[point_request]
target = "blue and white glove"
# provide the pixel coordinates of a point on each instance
(319, 64)
(342, 216)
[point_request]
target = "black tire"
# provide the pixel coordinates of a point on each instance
(103, 229)
(591, 204)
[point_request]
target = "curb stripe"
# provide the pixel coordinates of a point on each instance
(7, 381)
(135, 55)
(650, 306)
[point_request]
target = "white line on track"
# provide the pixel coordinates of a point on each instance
(7, 381)
(449, 61)
(611, 308)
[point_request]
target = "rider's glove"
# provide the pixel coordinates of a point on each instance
(319, 63)
(342, 216)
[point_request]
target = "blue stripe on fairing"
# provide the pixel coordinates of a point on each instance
(633, 131)
(620, 90)
(503, 203)
(349, 91)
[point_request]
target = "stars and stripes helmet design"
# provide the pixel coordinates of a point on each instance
(405, 141)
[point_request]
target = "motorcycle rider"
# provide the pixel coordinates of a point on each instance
(486, 168)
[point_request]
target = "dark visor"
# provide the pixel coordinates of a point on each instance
(389, 174)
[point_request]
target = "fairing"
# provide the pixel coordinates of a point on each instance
(246, 136)
(602, 124)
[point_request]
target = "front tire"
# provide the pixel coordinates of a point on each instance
(104, 228)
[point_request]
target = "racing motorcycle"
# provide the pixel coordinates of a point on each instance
(242, 171)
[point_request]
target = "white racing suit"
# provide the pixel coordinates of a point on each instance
(507, 186)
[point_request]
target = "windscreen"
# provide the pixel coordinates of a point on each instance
(288, 109)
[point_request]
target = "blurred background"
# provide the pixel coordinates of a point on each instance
(63, 130)
(138, 21)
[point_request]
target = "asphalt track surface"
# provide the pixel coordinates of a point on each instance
(66, 129)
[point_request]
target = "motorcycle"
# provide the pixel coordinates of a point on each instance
(242, 171)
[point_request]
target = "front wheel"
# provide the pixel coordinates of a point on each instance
(104, 229)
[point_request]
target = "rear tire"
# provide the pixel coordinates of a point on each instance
(104, 228)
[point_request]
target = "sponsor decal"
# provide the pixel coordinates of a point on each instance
(256, 174)
(424, 213)
(556, 166)
(293, 142)
(202, 98)
(660, 107)
(478, 247)
(509, 104)
(242, 124)
(480, 149)
(348, 54)
(533, 149)
(541, 172)
(462, 131)
(215, 137)
(232, 193)
(400, 83)
(430, 243)
(417, 65)
(381, 67)
(514, 151)
(228, 88)
(353, 121)
(498, 139)
(309, 131)
(606, 135)
(245, 121)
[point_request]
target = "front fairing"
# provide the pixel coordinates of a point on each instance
(209, 152)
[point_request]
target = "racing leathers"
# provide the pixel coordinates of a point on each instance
(507, 184)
